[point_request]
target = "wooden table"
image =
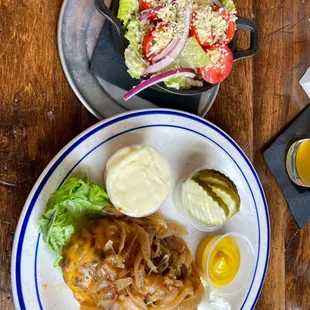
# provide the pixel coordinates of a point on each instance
(39, 114)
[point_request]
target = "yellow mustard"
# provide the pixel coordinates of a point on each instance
(224, 260)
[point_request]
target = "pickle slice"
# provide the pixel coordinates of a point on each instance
(214, 176)
(228, 196)
(204, 205)
(213, 195)
(223, 187)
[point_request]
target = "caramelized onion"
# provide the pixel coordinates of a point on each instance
(157, 220)
(128, 304)
(156, 250)
(145, 247)
(120, 284)
(101, 284)
(105, 304)
(118, 262)
(138, 273)
(163, 264)
(194, 301)
(129, 248)
(123, 238)
(172, 229)
(152, 283)
(189, 259)
(137, 300)
(173, 305)
(165, 297)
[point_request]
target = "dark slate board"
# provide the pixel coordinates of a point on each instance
(298, 198)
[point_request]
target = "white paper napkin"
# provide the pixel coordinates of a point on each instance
(305, 82)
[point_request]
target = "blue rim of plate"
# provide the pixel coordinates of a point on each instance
(89, 132)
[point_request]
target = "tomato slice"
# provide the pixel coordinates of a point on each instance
(230, 31)
(222, 60)
(149, 40)
(145, 5)
(149, 4)
(155, 18)
(194, 32)
(146, 46)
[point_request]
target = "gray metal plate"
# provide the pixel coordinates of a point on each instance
(79, 27)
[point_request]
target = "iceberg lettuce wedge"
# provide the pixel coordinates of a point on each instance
(193, 56)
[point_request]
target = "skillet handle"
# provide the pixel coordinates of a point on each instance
(116, 23)
(245, 23)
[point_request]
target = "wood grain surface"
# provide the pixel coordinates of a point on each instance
(39, 114)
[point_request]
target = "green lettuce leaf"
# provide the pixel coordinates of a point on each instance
(193, 56)
(126, 9)
(134, 34)
(75, 201)
(133, 54)
(134, 62)
(229, 4)
(182, 82)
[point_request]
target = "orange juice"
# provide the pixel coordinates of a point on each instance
(303, 162)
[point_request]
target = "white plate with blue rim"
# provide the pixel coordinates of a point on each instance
(187, 142)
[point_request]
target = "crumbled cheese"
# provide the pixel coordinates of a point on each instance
(168, 13)
(210, 25)
(217, 57)
(163, 34)
(173, 20)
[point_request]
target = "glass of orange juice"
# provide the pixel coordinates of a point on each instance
(298, 162)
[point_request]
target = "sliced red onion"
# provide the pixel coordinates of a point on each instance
(149, 13)
(167, 50)
(175, 53)
(218, 3)
(187, 72)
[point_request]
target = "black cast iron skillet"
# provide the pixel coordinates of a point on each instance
(121, 44)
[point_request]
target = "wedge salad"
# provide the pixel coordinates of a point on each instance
(182, 43)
